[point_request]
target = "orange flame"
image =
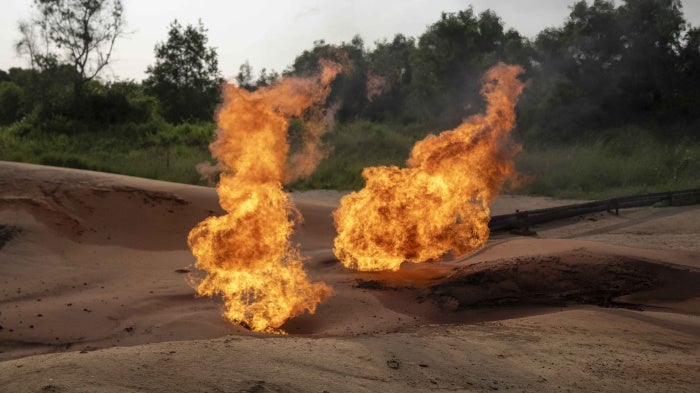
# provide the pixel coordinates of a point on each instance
(246, 252)
(440, 202)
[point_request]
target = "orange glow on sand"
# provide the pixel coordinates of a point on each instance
(246, 253)
(439, 204)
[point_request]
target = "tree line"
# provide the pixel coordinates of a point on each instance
(606, 66)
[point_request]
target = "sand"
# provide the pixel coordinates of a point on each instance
(94, 297)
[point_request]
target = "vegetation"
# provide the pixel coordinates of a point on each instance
(78, 33)
(154, 150)
(611, 106)
(186, 76)
(615, 162)
(625, 161)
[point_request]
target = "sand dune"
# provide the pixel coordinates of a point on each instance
(94, 297)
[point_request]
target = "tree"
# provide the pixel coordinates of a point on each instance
(449, 59)
(349, 88)
(244, 78)
(608, 66)
(81, 33)
(11, 97)
(266, 78)
(689, 73)
(186, 77)
(389, 70)
(47, 93)
(652, 41)
(577, 73)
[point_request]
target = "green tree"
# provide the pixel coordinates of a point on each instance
(449, 60)
(608, 66)
(80, 33)
(689, 74)
(186, 77)
(575, 74)
(47, 93)
(652, 40)
(245, 79)
(11, 97)
(349, 88)
(266, 78)
(389, 64)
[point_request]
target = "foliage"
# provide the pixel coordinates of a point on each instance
(119, 102)
(610, 108)
(47, 92)
(126, 148)
(11, 100)
(186, 76)
(245, 79)
(389, 64)
(449, 60)
(357, 145)
(626, 161)
(80, 33)
(348, 88)
(607, 66)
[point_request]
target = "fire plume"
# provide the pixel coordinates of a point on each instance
(246, 253)
(440, 202)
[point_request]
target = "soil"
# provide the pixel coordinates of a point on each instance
(94, 296)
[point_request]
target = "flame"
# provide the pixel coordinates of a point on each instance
(440, 202)
(246, 253)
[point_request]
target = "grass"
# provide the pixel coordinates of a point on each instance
(611, 163)
(163, 155)
(357, 145)
(606, 169)
(617, 162)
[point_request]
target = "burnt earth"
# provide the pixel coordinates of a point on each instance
(555, 280)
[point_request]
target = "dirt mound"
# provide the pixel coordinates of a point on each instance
(93, 261)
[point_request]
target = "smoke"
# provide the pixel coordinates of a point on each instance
(376, 85)
(208, 172)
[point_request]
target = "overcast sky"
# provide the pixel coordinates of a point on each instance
(271, 33)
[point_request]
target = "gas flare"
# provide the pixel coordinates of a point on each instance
(246, 253)
(440, 202)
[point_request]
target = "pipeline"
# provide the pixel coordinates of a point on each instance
(523, 220)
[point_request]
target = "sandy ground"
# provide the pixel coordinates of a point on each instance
(93, 297)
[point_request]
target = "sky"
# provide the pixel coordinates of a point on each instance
(271, 33)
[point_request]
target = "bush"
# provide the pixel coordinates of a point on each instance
(117, 103)
(67, 161)
(195, 134)
(11, 101)
(622, 162)
(356, 145)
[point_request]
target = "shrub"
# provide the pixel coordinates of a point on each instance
(11, 98)
(623, 161)
(67, 161)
